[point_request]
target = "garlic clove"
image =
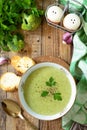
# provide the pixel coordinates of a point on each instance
(4, 60)
(67, 38)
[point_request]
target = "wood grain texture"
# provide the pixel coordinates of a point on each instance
(46, 41)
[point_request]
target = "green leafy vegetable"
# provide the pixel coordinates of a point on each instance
(16, 44)
(26, 4)
(51, 82)
(44, 93)
(11, 19)
(37, 12)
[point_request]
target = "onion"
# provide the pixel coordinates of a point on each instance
(4, 60)
(67, 38)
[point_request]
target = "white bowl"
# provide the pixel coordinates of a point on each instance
(41, 116)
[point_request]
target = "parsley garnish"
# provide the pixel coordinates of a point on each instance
(44, 93)
(57, 96)
(51, 83)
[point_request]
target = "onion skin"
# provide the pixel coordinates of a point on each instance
(67, 38)
(4, 60)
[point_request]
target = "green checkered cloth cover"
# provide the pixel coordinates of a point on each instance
(78, 68)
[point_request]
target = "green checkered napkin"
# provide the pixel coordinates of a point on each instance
(78, 68)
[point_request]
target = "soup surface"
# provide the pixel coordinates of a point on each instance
(40, 96)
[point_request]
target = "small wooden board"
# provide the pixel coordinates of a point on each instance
(52, 59)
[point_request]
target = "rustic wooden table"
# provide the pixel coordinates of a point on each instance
(45, 41)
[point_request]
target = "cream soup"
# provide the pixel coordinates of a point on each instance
(36, 84)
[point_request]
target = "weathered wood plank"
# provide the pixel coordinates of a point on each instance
(65, 49)
(51, 125)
